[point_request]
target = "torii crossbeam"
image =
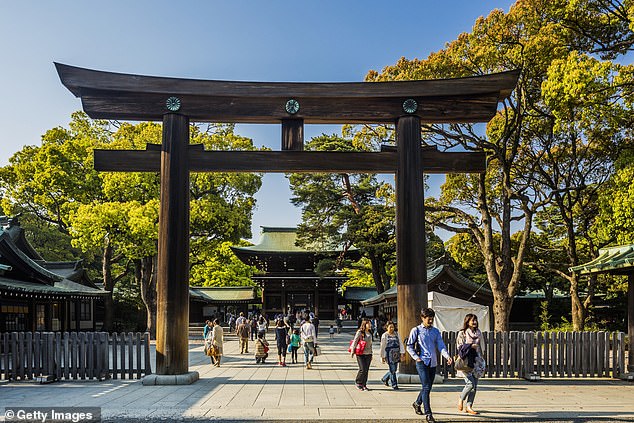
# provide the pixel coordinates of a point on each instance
(176, 102)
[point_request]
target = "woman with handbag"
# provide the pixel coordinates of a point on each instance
(392, 352)
(362, 339)
(261, 349)
(216, 342)
(472, 336)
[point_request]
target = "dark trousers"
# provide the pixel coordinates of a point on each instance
(363, 361)
(294, 353)
(426, 375)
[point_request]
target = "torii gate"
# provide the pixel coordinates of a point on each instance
(176, 102)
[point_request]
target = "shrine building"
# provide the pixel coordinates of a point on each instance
(288, 277)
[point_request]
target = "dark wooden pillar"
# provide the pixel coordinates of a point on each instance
(293, 134)
(172, 283)
(284, 300)
(630, 321)
(411, 270)
(77, 305)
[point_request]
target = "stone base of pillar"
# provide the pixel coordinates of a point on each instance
(182, 379)
(404, 378)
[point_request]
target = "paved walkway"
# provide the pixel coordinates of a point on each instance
(240, 390)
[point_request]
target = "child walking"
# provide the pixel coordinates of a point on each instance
(331, 331)
(295, 340)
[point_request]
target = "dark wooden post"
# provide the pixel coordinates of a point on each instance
(293, 134)
(77, 304)
(630, 321)
(411, 270)
(172, 283)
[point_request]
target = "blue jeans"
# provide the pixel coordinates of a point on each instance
(426, 375)
(391, 374)
(309, 352)
(470, 388)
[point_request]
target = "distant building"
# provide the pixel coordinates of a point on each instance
(440, 278)
(216, 302)
(289, 282)
(38, 295)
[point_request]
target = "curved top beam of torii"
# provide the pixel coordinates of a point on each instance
(108, 95)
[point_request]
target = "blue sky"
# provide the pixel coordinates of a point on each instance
(304, 41)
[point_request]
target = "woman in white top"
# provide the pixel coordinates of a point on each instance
(392, 352)
(216, 341)
(471, 335)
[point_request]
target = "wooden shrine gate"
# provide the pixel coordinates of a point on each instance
(176, 102)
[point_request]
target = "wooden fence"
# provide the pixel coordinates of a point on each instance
(74, 355)
(548, 354)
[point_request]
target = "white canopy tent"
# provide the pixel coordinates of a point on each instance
(450, 312)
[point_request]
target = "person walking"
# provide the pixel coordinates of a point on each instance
(254, 327)
(315, 321)
(216, 342)
(423, 343)
(295, 340)
(241, 319)
(308, 336)
(364, 357)
(207, 328)
(262, 327)
(261, 349)
(281, 339)
(243, 331)
(392, 352)
(331, 331)
(470, 338)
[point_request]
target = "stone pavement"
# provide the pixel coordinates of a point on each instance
(239, 391)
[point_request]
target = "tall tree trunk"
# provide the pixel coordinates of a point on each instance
(501, 310)
(579, 306)
(145, 276)
(375, 263)
(384, 276)
(108, 284)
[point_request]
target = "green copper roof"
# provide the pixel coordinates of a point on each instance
(280, 240)
(358, 293)
(434, 271)
(63, 287)
(227, 294)
(619, 259)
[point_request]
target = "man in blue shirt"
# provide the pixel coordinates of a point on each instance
(423, 343)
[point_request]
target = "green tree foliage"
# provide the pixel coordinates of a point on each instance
(615, 223)
(221, 267)
(347, 209)
(352, 209)
(564, 99)
(115, 215)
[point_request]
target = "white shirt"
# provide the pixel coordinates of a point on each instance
(307, 332)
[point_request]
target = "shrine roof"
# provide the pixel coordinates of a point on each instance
(616, 260)
(441, 277)
(225, 294)
(63, 288)
(23, 272)
(358, 293)
(282, 240)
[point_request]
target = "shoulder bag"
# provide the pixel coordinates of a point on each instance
(358, 350)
